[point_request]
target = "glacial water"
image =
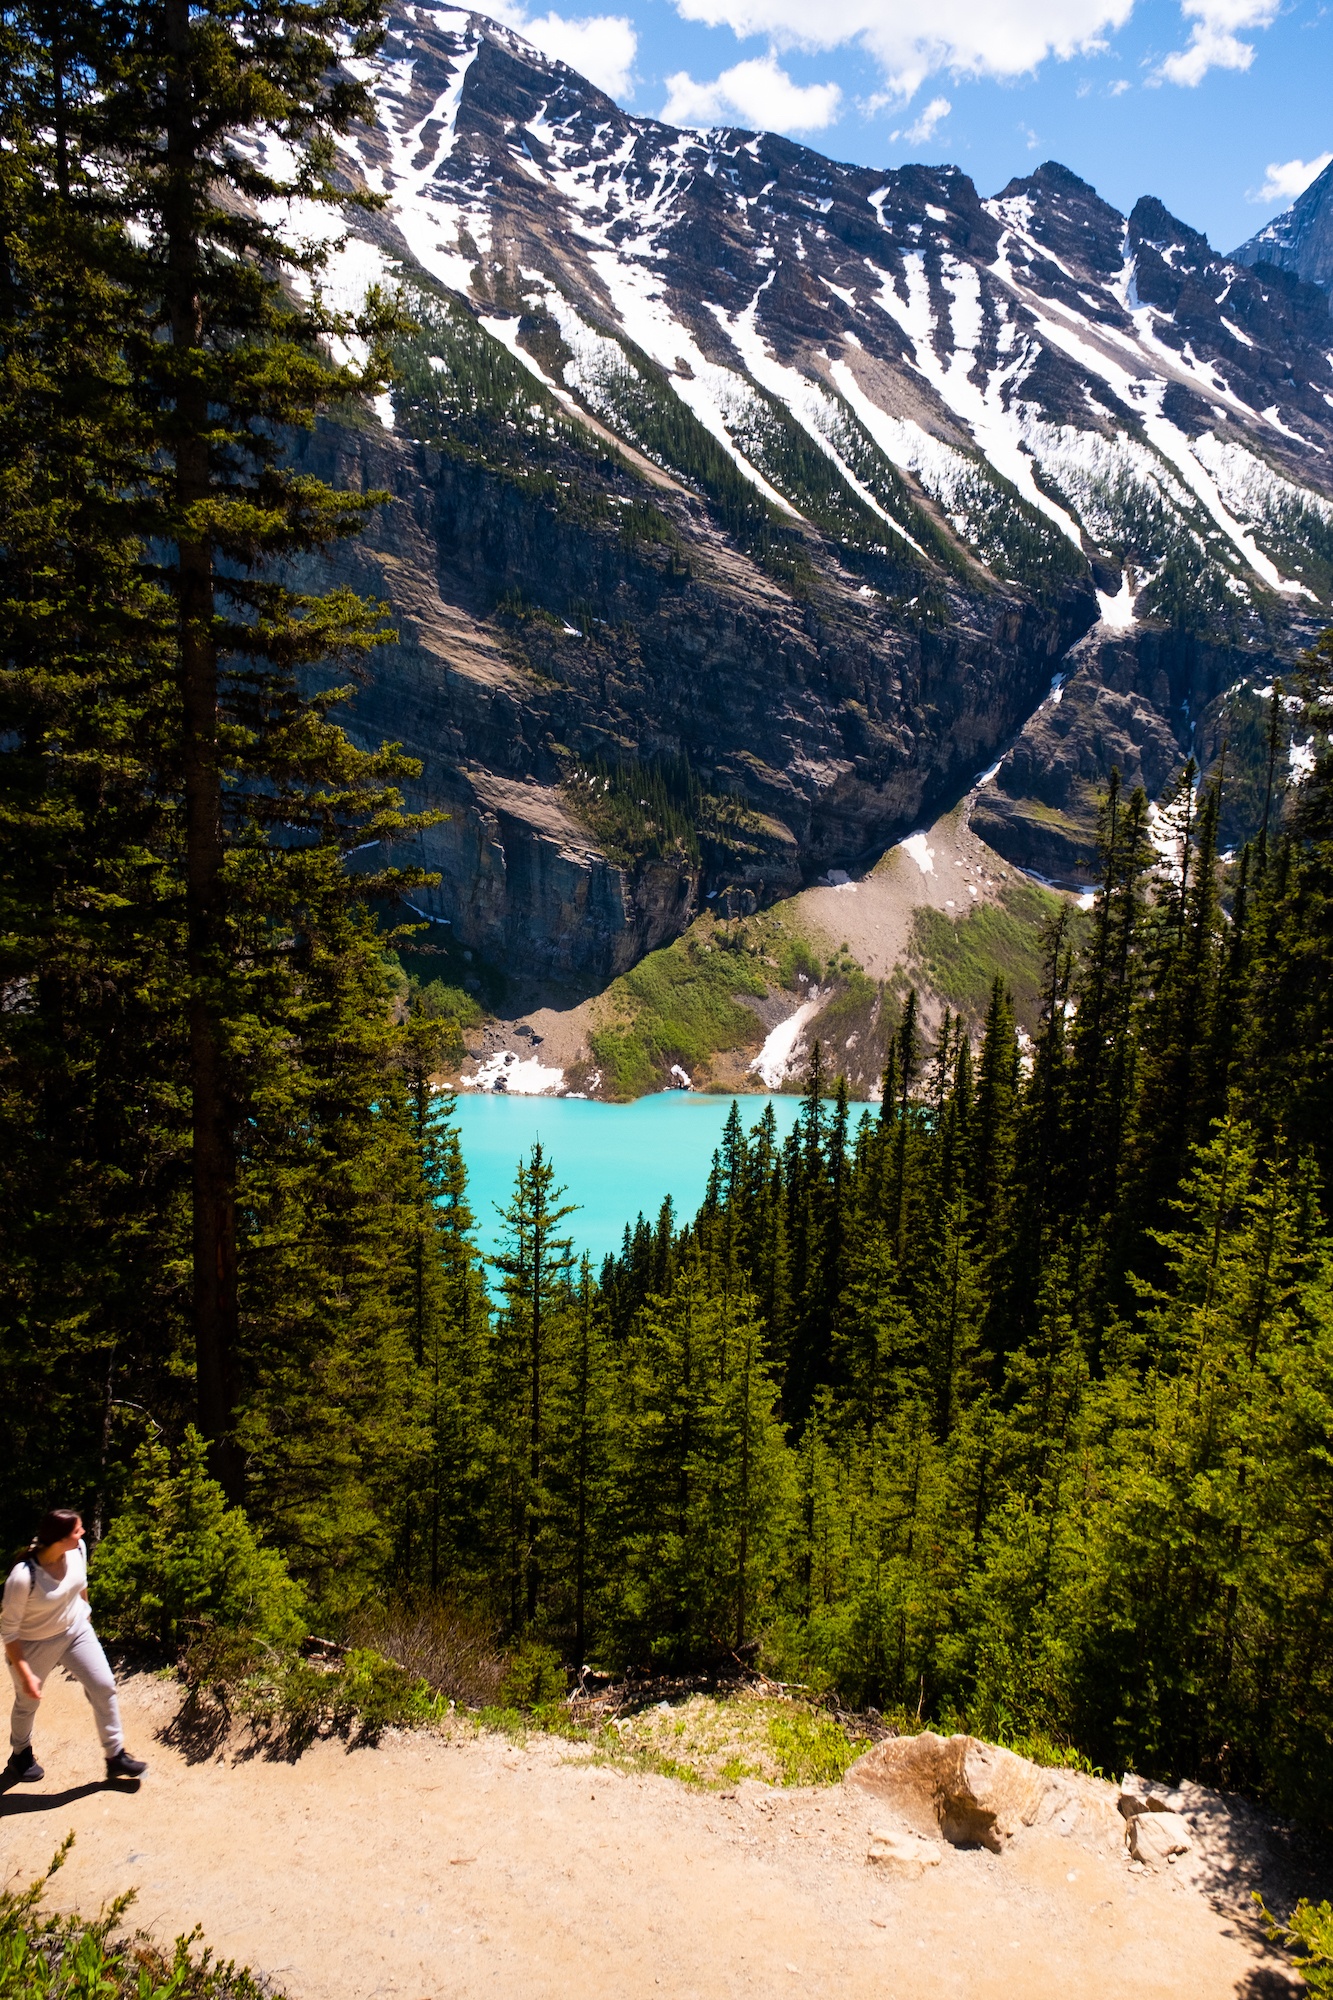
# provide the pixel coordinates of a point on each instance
(615, 1160)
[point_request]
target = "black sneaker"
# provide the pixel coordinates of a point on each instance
(23, 1768)
(122, 1765)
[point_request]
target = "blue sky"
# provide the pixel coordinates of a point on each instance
(1222, 108)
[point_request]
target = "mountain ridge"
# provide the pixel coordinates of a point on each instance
(814, 480)
(1300, 240)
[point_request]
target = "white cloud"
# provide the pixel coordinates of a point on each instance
(934, 114)
(758, 93)
(601, 47)
(1288, 178)
(1119, 87)
(995, 38)
(1215, 39)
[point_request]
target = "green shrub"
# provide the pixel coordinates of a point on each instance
(812, 1749)
(357, 1694)
(376, 1694)
(1308, 1936)
(795, 957)
(535, 1677)
(437, 1001)
(46, 1957)
(178, 1557)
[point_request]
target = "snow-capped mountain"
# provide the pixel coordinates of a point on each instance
(848, 466)
(1301, 238)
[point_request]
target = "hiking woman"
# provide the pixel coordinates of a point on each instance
(46, 1624)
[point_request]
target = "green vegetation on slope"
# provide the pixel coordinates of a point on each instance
(639, 811)
(680, 1005)
(461, 391)
(712, 1742)
(960, 958)
(635, 397)
(637, 400)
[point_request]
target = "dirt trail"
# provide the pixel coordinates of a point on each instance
(433, 1867)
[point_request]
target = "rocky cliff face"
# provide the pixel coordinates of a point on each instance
(1299, 240)
(747, 505)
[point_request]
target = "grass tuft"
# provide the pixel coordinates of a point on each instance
(711, 1742)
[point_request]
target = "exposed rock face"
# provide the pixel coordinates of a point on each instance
(1301, 238)
(980, 1795)
(1140, 702)
(827, 720)
(713, 456)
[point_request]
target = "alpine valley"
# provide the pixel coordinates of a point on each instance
(748, 507)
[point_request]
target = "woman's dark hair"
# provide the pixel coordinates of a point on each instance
(54, 1526)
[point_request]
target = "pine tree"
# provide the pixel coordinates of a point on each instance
(1171, 1110)
(708, 1474)
(93, 1114)
(528, 1355)
(1042, 1153)
(1221, 1460)
(447, 1310)
(990, 1160)
(902, 1071)
(1286, 1034)
(1107, 993)
(583, 1467)
(763, 1235)
(457, 1386)
(224, 363)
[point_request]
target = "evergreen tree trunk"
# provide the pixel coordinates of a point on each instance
(213, 1153)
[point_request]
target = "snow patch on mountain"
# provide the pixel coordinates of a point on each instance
(812, 407)
(1252, 490)
(613, 195)
(1118, 611)
(719, 397)
(986, 411)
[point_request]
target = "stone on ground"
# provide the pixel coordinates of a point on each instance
(1155, 1837)
(901, 1849)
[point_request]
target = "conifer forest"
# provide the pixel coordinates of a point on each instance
(1005, 1400)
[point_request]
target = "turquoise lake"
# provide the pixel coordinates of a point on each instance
(614, 1159)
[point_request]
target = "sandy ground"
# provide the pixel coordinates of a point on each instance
(433, 1867)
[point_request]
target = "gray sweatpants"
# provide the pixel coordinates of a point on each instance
(80, 1653)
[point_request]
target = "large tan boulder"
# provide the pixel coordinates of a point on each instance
(1155, 1837)
(976, 1794)
(909, 1773)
